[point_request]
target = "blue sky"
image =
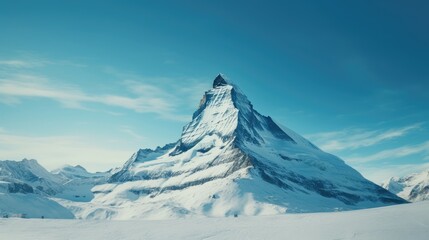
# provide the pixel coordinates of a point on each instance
(89, 82)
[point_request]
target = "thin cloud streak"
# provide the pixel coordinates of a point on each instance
(15, 63)
(188, 91)
(31, 62)
(148, 99)
(358, 138)
(393, 153)
(380, 175)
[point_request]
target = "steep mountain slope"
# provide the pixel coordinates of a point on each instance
(414, 187)
(231, 160)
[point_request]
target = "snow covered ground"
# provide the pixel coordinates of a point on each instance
(405, 221)
(31, 206)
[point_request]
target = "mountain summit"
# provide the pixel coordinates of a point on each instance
(219, 81)
(231, 160)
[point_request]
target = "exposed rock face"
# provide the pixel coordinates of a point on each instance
(219, 81)
(20, 188)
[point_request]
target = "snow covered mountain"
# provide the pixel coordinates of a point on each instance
(414, 187)
(231, 160)
(29, 172)
(77, 182)
(72, 172)
(28, 176)
(24, 190)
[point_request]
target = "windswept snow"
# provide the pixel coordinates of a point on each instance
(407, 221)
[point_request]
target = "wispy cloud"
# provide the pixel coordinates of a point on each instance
(21, 63)
(393, 153)
(358, 138)
(380, 174)
(186, 91)
(32, 62)
(382, 164)
(162, 96)
(20, 85)
(143, 97)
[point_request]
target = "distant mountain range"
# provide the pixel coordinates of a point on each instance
(27, 189)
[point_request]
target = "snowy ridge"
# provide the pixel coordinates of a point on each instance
(140, 156)
(68, 172)
(414, 187)
(30, 173)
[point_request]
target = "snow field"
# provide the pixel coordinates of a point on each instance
(406, 221)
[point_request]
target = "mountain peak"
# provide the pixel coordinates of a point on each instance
(219, 81)
(234, 159)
